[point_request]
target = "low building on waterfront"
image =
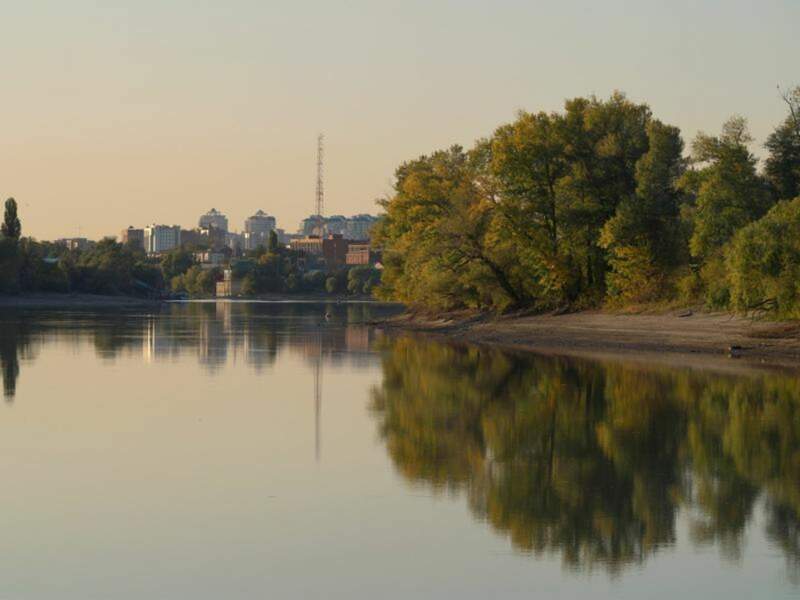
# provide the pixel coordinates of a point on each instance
(212, 258)
(228, 287)
(358, 254)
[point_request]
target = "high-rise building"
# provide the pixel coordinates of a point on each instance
(213, 218)
(257, 229)
(310, 226)
(133, 236)
(160, 238)
(336, 224)
(358, 227)
(260, 222)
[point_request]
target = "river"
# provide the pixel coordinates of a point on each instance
(244, 450)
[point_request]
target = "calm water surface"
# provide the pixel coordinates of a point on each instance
(258, 451)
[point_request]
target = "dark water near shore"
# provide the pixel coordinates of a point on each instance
(258, 450)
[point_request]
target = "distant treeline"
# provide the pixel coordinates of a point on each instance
(112, 268)
(599, 204)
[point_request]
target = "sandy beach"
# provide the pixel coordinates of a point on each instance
(692, 336)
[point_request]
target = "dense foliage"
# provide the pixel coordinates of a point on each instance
(594, 204)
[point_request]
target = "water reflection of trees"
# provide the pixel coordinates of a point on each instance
(15, 345)
(594, 460)
(214, 333)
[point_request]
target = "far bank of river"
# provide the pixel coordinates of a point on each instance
(55, 301)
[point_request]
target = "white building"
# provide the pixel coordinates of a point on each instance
(160, 238)
(214, 218)
(260, 222)
(257, 229)
(358, 227)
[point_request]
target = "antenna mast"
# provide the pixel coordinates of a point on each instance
(320, 189)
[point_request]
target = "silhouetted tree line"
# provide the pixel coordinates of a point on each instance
(598, 204)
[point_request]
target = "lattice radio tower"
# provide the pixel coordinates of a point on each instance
(320, 188)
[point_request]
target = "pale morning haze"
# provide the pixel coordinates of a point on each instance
(129, 113)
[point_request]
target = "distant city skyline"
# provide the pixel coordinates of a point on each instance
(129, 113)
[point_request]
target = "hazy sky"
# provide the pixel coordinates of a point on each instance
(119, 113)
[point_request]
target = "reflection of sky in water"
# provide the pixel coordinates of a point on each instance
(224, 450)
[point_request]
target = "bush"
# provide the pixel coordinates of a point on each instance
(763, 262)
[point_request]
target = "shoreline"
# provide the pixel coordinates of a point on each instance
(679, 337)
(74, 301)
(56, 301)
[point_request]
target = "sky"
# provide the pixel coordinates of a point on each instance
(129, 113)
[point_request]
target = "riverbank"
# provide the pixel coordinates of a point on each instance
(74, 301)
(645, 336)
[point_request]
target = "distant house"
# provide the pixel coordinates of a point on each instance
(228, 287)
(358, 254)
(75, 243)
(332, 248)
(211, 258)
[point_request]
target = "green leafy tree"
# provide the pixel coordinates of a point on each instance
(728, 194)
(11, 227)
(782, 166)
(439, 236)
(763, 262)
(197, 281)
(729, 191)
(176, 262)
(644, 237)
(272, 244)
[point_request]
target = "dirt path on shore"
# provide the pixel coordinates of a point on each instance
(643, 335)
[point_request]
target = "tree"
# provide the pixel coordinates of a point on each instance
(764, 262)
(730, 193)
(199, 282)
(176, 262)
(782, 166)
(11, 227)
(644, 236)
(272, 244)
(439, 236)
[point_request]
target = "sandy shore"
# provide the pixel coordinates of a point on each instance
(74, 301)
(692, 336)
